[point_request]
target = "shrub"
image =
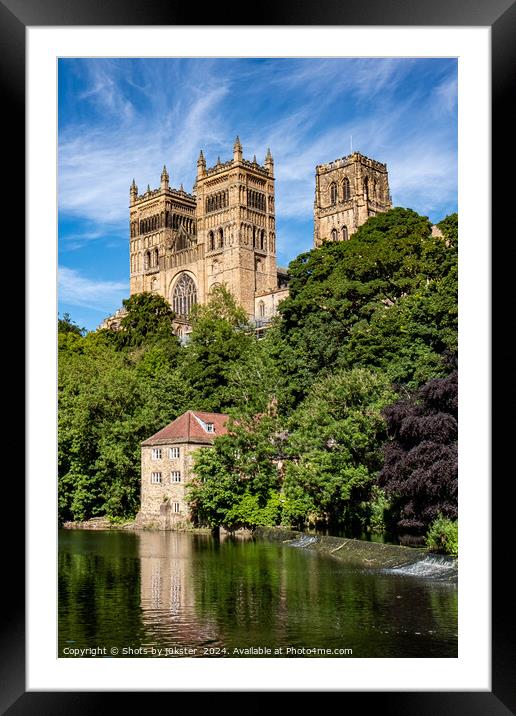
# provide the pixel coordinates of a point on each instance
(443, 536)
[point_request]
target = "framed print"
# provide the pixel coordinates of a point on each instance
(73, 157)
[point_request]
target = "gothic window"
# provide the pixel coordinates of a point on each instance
(211, 241)
(345, 189)
(334, 234)
(261, 309)
(262, 239)
(333, 193)
(366, 188)
(146, 260)
(156, 259)
(220, 239)
(184, 296)
(345, 233)
(154, 285)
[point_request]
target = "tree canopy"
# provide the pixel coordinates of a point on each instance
(344, 414)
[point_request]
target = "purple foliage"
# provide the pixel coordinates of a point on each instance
(420, 459)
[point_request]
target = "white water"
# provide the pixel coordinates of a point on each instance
(431, 566)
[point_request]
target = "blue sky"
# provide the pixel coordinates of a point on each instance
(125, 118)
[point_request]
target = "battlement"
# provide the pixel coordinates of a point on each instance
(350, 159)
(224, 166)
(153, 193)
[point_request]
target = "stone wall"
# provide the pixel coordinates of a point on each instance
(157, 499)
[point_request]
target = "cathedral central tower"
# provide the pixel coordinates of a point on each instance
(236, 225)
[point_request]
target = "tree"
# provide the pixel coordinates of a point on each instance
(110, 400)
(334, 449)
(386, 299)
(236, 482)
(420, 459)
(148, 318)
(66, 325)
(220, 338)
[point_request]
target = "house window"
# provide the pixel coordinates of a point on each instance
(175, 476)
(175, 506)
(156, 453)
(155, 478)
(210, 428)
(173, 453)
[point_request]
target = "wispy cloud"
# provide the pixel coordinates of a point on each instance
(77, 290)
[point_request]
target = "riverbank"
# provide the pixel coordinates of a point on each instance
(352, 551)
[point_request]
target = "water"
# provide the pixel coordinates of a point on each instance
(164, 590)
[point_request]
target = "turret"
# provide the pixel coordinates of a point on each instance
(133, 192)
(237, 150)
(269, 163)
(164, 178)
(201, 165)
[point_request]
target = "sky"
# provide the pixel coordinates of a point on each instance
(120, 119)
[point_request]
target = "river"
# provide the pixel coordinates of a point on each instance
(132, 594)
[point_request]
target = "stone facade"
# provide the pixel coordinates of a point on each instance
(166, 468)
(347, 192)
(182, 245)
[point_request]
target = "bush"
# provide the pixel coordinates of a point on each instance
(443, 536)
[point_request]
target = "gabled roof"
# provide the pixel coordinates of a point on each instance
(190, 427)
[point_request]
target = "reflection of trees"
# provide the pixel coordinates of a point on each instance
(98, 589)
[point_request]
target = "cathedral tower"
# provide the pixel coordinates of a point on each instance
(347, 192)
(236, 225)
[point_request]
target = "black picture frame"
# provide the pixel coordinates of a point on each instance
(500, 16)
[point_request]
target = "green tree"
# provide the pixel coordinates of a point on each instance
(148, 318)
(221, 338)
(66, 325)
(386, 299)
(237, 481)
(334, 446)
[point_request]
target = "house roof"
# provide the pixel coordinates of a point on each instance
(190, 427)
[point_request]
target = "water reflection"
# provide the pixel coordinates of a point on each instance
(176, 589)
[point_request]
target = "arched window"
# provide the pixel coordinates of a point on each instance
(211, 241)
(184, 296)
(146, 260)
(346, 192)
(334, 234)
(220, 239)
(366, 188)
(345, 233)
(156, 257)
(261, 309)
(262, 239)
(333, 193)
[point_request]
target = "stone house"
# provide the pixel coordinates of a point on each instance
(166, 467)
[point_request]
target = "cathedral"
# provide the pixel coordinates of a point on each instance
(183, 245)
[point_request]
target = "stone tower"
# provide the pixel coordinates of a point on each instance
(182, 245)
(347, 192)
(236, 225)
(164, 246)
